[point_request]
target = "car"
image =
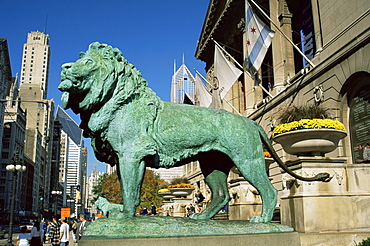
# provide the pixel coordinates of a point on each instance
(2, 232)
(28, 224)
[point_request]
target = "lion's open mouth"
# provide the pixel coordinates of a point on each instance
(65, 100)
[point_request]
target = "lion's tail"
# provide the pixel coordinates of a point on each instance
(325, 177)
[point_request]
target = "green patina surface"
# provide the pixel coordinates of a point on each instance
(132, 128)
(150, 226)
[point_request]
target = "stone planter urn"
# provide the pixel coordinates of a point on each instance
(167, 196)
(181, 192)
(310, 142)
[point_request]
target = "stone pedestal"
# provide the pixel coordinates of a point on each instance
(341, 204)
(245, 201)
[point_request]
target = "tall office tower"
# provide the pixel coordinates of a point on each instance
(35, 61)
(32, 94)
(183, 86)
(71, 159)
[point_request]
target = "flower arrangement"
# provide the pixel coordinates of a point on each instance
(306, 117)
(266, 154)
(163, 190)
(308, 124)
(181, 186)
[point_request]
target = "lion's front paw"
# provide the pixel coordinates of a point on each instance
(256, 219)
(122, 215)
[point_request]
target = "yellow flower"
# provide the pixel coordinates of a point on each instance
(164, 190)
(308, 124)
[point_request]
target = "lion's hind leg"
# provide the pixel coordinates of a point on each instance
(254, 172)
(217, 182)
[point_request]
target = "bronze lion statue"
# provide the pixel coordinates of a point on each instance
(132, 128)
(108, 209)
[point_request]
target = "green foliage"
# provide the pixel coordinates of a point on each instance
(149, 189)
(97, 190)
(365, 242)
(296, 113)
(109, 188)
(176, 181)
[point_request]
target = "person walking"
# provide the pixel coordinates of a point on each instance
(153, 210)
(54, 232)
(64, 232)
(81, 227)
(74, 229)
(23, 238)
(37, 234)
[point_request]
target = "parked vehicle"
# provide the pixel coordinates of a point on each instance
(27, 224)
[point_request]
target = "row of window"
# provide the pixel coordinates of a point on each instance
(33, 48)
(32, 53)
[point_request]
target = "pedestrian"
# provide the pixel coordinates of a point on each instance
(199, 198)
(54, 232)
(47, 233)
(153, 209)
(208, 198)
(37, 234)
(43, 228)
(366, 153)
(144, 211)
(23, 238)
(190, 210)
(81, 227)
(64, 232)
(74, 229)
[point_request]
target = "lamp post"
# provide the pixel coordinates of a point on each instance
(15, 167)
(56, 193)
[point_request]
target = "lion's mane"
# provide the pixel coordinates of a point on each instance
(97, 92)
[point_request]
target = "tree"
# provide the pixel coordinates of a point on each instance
(149, 189)
(179, 180)
(109, 188)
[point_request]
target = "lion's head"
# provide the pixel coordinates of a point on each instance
(100, 202)
(99, 75)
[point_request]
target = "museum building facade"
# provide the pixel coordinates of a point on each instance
(334, 36)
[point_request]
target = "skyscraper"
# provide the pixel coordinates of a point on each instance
(71, 157)
(35, 61)
(32, 95)
(183, 86)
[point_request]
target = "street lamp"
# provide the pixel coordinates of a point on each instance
(56, 193)
(15, 167)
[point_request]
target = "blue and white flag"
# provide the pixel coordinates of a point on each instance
(259, 37)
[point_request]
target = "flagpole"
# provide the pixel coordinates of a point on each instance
(237, 63)
(232, 107)
(203, 78)
(290, 41)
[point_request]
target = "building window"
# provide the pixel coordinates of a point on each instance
(6, 145)
(5, 155)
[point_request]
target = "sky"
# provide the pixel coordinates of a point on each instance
(152, 35)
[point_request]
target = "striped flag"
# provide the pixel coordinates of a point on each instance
(259, 37)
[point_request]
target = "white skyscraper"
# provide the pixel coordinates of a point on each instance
(183, 86)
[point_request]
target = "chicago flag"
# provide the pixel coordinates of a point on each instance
(259, 37)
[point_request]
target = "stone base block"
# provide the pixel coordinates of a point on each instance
(271, 239)
(333, 238)
(244, 211)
